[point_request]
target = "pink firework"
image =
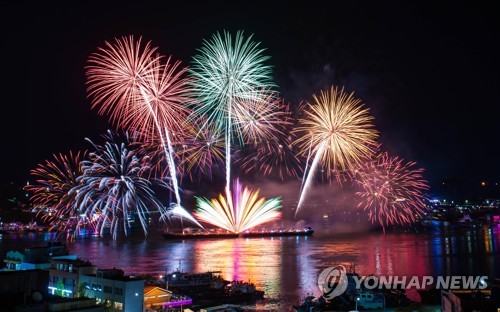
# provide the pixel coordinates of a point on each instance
(261, 117)
(274, 157)
(115, 74)
(128, 81)
(393, 190)
(271, 152)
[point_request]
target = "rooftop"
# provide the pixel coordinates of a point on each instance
(114, 274)
(75, 263)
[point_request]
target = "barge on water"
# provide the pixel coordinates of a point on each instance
(308, 231)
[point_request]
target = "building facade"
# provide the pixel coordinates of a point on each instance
(35, 257)
(65, 276)
(115, 290)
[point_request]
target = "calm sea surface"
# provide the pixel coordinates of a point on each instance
(287, 268)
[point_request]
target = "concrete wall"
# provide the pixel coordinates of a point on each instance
(132, 296)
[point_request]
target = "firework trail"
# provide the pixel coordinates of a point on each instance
(114, 186)
(393, 190)
(225, 74)
(239, 210)
(128, 82)
(337, 131)
(52, 190)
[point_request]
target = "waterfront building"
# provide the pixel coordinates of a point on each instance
(114, 290)
(36, 257)
(158, 297)
(65, 276)
(59, 304)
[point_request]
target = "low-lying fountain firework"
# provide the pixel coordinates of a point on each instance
(241, 209)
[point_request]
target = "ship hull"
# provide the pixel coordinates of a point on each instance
(170, 235)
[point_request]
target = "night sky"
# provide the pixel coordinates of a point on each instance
(429, 74)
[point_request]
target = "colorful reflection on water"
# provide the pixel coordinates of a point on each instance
(287, 268)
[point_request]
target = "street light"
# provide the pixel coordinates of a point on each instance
(357, 299)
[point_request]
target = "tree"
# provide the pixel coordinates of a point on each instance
(60, 288)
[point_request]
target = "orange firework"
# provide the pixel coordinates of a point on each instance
(54, 189)
(336, 132)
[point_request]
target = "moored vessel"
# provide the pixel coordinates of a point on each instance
(308, 231)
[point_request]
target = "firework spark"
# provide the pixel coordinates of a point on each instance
(393, 190)
(337, 132)
(128, 81)
(114, 189)
(272, 151)
(239, 210)
(274, 157)
(261, 118)
(201, 150)
(225, 73)
(52, 190)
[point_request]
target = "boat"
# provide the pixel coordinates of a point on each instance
(209, 287)
(179, 279)
(174, 235)
(230, 292)
(311, 304)
(308, 231)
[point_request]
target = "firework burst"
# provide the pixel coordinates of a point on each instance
(261, 118)
(53, 188)
(275, 157)
(114, 188)
(201, 150)
(337, 132)
(272, 151)
(393, 190)
(225, 73)
(128, 81)
(239, 210)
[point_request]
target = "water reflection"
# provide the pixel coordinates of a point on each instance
(287, 268)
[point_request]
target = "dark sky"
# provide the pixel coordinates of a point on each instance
(429, 72)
